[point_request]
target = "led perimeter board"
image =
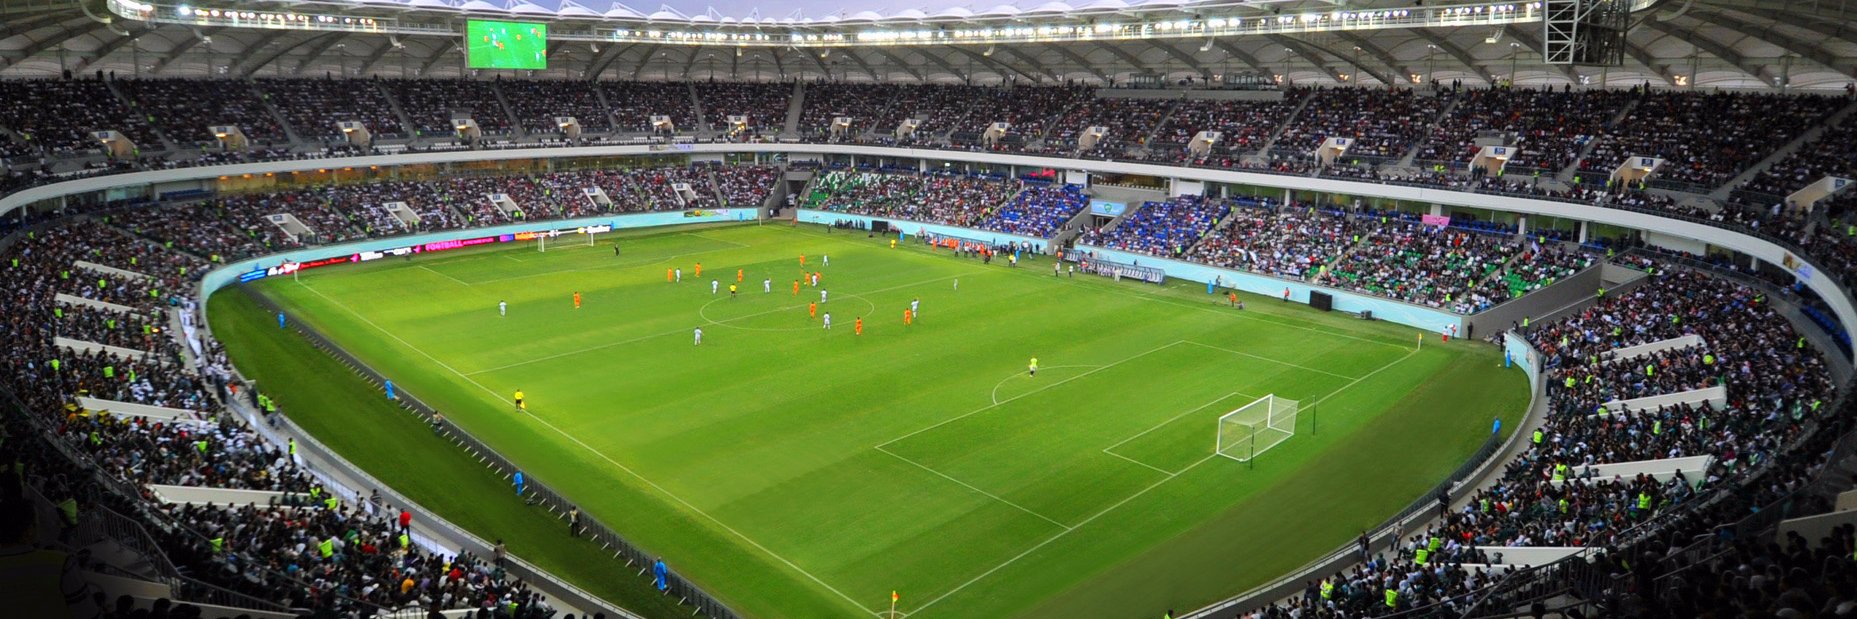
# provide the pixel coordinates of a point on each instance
(506, 45)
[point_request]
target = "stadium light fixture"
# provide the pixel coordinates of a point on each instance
(1133, 24)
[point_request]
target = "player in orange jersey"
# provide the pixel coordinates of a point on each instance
(738, 275)
(909, 318)
(699, 269)
(577, 299)
(812, 310)
(859, 327)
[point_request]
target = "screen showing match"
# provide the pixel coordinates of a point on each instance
(506, 45)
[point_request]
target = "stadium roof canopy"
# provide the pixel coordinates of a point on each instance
(1742, 44)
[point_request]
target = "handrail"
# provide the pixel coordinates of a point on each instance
(1769, 248)
(310, 446)
(539, 492)
(188, 589)
(1387, 531)
(1655, 212)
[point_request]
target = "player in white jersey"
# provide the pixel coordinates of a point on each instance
(821, 296)
(502, 308)
(915, 307)
(679, 274)
(828, 320)
(827, 259)
(714, 285)
(767, 285)
(699, 337)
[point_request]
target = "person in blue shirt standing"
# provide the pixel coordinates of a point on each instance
(280, 320)
(519, 485)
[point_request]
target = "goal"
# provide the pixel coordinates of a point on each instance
(555, 239)
(1256, 427)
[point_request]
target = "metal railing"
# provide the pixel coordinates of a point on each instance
(104, 523)
(199, 592)
(1582, 579)
(535, 492)
(1388, 532)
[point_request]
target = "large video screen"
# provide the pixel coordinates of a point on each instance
(506, 45)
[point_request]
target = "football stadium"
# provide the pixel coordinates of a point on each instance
(562, 309)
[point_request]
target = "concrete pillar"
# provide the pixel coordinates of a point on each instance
(1437, 210)
(1582, 233)
(1521, 225)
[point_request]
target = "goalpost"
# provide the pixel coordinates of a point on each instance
(1254, 428)
(553, 238)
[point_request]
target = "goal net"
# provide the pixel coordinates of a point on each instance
(1256, 427)
(556, 239)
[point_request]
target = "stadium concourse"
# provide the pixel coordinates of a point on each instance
(1695, 364)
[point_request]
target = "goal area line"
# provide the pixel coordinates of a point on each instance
(1250, 430)
(1111, 450)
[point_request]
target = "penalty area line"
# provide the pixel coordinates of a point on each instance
(1111, 449)
(1170, 477)
(975, 489)
(1002, 382)
(446, 276)
(1271, 360)
(615, 463)
(1060, 534)
(1028, 393)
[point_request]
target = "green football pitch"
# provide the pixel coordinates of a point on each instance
(798, 472)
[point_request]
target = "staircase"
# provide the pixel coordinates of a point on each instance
(1810, 136)
(1566, 175)
(1222, 224)
(1147, 137)
(289, 131)
(1496, 272)
(606, 107)
(1287, 121)
(795, 104)
(696, 107)
(1328, 268)
(167, 143)
(1405, 161)
(407, 128)
(1050, 126)
(509, 112)
(10, 135)
(715, 187)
